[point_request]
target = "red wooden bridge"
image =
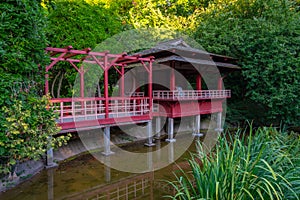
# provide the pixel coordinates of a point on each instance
(140, 98)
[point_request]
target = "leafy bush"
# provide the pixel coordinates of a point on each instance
(28, 127)
(264, 165)
(25, 122)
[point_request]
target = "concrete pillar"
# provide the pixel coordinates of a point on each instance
(157, 127)
(219, 122)
(170, 130)
(197, 126)
(149, 142)
(49, 159)
(106, 141)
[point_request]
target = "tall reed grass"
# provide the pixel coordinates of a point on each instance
(261, 164)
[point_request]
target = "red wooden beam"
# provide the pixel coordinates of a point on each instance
(198, 82)
(172, 76)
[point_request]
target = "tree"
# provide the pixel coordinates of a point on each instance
(264, 36)
(81, 24)
(26, 124)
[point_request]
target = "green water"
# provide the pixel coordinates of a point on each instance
(86, 178)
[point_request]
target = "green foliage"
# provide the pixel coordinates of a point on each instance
(22, 39)
(171, 15)
(28, 129)
(264, 36)
(80, 24)
(263, 165)
(25, 123)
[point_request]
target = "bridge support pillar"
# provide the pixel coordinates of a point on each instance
(106, 139)
(219, 122)
(157, 127)
(170, 130)
(49, 158)
(149, 142)
(197, 127)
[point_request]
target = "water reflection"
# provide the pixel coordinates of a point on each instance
(86, 178)
(136, 187)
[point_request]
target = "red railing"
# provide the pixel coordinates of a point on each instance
(78, 109)
(191, 94)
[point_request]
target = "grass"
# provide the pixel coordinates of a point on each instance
(261, 164)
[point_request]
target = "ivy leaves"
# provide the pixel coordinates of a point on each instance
(28, 125)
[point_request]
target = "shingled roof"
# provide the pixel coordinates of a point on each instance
(179, 51)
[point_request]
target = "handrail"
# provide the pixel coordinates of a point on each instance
(94, 108)
(191, 94)
(68, 99)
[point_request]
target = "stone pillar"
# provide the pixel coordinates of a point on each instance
(149, 142)
(157, 127)
(219, 122)
(170, 130)
(197, 126)
(49, 160)
(106, 141)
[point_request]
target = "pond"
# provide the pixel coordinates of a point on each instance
(85, 177)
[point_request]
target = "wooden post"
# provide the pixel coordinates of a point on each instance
(198, 82)
(170, 130)
(46, 82)
(122, 82)
(220, 83)
(106, 87)
(172, 77)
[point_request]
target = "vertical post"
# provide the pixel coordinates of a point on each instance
(220, 83)
(170, 130)
(49, 160)
(219, 122)
(149, 142)
(157, 127)
(122, 82)
(81, 72)
(197, 126)
(172, 77)
(198, 82)
(46, 82)
(106, 87)
(106, 141)
(150, 89)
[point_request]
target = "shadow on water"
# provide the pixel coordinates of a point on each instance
(86, 178)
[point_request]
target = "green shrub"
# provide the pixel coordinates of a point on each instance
(264, 165)
(27, 128)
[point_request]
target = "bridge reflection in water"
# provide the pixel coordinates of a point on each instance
(134, 186)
